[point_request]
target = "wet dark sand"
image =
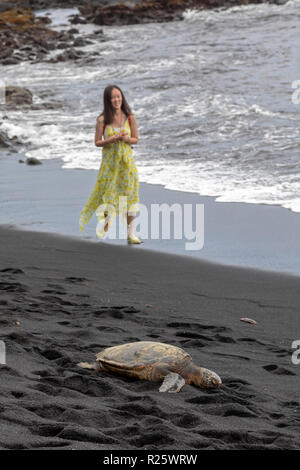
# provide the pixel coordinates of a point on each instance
(72, 298)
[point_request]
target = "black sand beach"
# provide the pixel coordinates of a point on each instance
(64, 295)
(63, 300)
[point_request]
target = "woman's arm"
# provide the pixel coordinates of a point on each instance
(99, 133)
(134, 132)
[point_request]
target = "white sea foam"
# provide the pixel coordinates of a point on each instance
(239, 12)
(58, 16)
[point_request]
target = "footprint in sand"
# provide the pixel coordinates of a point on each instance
(12, 287)
(117, 312)
(76, 280)
(199, 327)
(53, 291)
(12, 271)
(274, 369)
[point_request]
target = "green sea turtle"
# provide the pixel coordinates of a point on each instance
(153, 361)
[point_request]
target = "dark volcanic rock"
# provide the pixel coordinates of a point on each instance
(68, 54)
(124, 13)
(18, 97)
(4, 140)
(25, 37)
(33, 161)
(6, 6)
(15, 96)
(76, 19)
(44, 4)
(151, 10)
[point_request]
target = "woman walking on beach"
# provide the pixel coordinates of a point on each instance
(117, 187)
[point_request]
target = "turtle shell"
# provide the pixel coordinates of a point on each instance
(131, 356)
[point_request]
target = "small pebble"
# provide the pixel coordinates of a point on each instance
(248, 320)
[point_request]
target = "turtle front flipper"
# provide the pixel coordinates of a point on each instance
(172, 383)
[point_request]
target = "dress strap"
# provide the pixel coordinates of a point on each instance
(129, 120)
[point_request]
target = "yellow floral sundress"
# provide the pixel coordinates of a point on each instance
(117, 187)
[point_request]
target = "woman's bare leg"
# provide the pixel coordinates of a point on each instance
(130, 223)
(106, 218)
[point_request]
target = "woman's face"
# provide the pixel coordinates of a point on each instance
(116, 99)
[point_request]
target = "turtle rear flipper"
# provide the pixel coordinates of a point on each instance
(95, 366)
(172, 383)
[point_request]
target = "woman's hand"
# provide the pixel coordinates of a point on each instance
(125, 137)
(115, 138)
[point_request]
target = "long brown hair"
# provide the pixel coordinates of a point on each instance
(108, 111)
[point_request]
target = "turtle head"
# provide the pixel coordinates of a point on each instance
(207, 379)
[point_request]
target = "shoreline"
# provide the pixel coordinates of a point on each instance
(255, 236)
